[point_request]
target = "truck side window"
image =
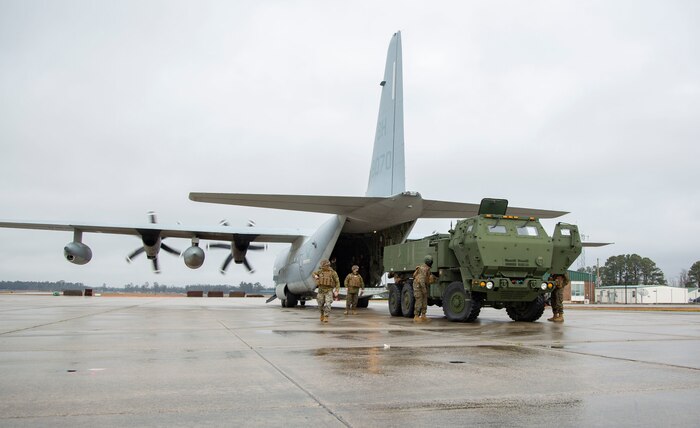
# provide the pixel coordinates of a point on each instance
(527, 231)
(497, 229)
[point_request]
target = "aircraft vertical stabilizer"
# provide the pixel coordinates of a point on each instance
(387, 174)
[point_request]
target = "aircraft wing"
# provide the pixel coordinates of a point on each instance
(596, 244)
(219, 233)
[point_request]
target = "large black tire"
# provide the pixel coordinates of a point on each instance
(408, 302)
(476, 310)
(291, 299)
(456, 303)
(363, 302)
(394, 300)
(526, 311)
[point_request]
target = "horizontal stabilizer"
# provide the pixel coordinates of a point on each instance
(308, 203)
(445, 209)
(359, 207)
(596, 244)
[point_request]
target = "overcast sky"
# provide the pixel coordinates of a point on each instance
(111, 109)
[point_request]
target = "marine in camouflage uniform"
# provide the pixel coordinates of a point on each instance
(354, 285)
(422, 278)
(328, 286)
(560, 281)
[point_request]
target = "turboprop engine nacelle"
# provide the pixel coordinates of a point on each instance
(77, 253)
(194, 257)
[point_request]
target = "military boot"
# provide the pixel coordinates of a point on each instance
(325, 318)
(322, 317)
(559, 317)
(417, 319)
(554, 317)
(424, 318)
(345, 312)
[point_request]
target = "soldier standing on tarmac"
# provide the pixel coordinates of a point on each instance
(353, 283)
(328, 287)
(421, 279)
(560, 281)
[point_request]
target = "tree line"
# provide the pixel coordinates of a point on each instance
(633, 269)
(146, 287)
(691, 277)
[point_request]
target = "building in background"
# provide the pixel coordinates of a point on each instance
(582, 288)
(641, 294)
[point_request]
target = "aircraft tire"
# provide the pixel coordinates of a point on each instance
(456, 303)
(394, 300)
(408, 302)
(291, 299)
(526, 311)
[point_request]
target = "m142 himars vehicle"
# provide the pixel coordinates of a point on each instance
(491, 259)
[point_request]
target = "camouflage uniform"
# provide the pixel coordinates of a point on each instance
(421, 280)
(328, 284)
(353, 283)
(560, 281)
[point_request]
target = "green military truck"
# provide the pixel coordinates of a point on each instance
(491, 259)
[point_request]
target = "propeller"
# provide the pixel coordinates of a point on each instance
(152, 244)
(238, 247)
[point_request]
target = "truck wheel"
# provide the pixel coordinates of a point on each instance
(476, 310)
(526, 311)
(363, 302)
(394, 301)
(456, 305)
(291, 299)
(408, 302)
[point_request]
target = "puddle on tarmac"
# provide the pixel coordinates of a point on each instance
(343, 334)
(381, 360)
(510, 404)
(510, 349)
(559, 346)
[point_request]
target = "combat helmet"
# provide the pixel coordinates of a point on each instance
(428, 260)
(325, 263)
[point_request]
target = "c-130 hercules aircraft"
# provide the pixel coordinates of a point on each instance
(357, 232)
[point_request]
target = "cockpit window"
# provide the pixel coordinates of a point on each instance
(566, 232)
(527, 231)
(470, 227)
(497, 229)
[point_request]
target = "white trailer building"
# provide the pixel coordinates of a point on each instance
(641, 294)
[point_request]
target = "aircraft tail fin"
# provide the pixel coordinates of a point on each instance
(387, 174)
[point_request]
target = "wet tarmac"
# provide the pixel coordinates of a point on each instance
(152, 361)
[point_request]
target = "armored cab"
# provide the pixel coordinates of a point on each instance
(491, 259)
